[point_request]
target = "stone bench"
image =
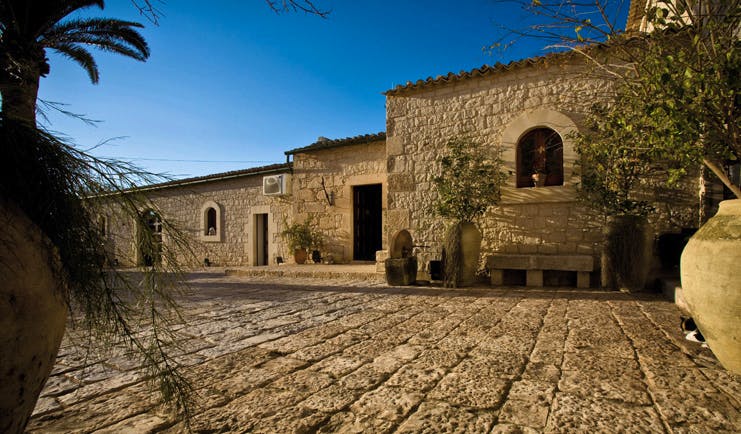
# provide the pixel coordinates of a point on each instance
(535, 264)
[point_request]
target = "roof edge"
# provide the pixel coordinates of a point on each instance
(262, 170)
(482, 71)
(336, 143)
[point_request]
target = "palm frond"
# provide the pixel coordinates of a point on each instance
(103, 33)
(82, 57)
(31, 19)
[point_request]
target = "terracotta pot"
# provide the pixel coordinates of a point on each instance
(711, 283)
(626, 258)
(470, 250)
(463, 244)
(32, 316)
(300, 256)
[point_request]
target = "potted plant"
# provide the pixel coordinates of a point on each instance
(301, 237)
(470, 181)
(613, 178)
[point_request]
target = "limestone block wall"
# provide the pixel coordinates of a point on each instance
(237, 201)
(340, 169)
(495, 110)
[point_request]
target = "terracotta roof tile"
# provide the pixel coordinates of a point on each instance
(483, 71)
(220, 176)
(324, 143)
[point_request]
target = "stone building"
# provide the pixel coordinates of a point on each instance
(226, 218)
(531, 103)
(359, 191)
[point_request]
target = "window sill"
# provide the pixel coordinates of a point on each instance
(211, 238)
(527, 195)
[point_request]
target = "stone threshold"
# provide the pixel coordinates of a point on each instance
(313, 271)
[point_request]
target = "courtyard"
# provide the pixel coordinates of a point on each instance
(296, 354)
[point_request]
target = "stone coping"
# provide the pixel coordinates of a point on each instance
(502, 261)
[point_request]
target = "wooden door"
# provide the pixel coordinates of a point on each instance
(366, 222)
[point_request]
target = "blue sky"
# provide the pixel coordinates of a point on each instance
(238, 85)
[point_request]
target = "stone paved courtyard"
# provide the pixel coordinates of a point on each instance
(281, 355)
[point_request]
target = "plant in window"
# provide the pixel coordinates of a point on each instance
(470, 181)
(540, 159)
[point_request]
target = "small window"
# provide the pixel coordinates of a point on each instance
(211, 218)
(540, 159)
(103, 225)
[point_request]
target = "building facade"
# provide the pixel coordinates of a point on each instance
(359, 191)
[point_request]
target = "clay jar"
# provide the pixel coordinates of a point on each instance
(711, 282)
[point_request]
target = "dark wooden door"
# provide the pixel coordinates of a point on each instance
(261, 238)
(366, 222)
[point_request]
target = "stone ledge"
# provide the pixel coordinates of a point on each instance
(309, 273)
(502, 261)
(535, 264)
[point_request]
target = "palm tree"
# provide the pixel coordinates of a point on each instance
(46, 257)
(29, 27)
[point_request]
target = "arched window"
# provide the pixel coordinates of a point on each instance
(211, 221)
(540, 159)
(103, 225)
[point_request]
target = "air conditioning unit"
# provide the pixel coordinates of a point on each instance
(276, 185)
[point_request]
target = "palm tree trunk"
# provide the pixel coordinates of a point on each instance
(19, 100)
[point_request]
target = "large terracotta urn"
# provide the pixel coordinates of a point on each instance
(470, 250)
(461, 254)
(626, 257)
(32, 315)
(711, 283)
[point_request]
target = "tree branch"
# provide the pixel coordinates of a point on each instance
(722, 176)
(306, 6)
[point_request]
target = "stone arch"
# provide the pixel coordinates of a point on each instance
(557, 121)
(211, 221)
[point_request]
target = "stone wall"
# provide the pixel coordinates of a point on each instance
(340, 169)
(237, 200)
(494, 110)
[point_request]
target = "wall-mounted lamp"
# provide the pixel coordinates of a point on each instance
(329, 195)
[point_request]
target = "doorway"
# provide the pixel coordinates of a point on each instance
(150, 239)
(261, 239)
(367, 221)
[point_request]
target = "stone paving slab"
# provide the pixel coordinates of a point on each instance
(296, 355)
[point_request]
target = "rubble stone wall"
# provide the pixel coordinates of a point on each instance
(335, 171)
(494, 111)
(238, 201)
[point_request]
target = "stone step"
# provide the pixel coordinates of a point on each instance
(310, 272)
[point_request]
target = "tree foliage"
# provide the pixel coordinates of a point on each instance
(470, 180)
(684, 94)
